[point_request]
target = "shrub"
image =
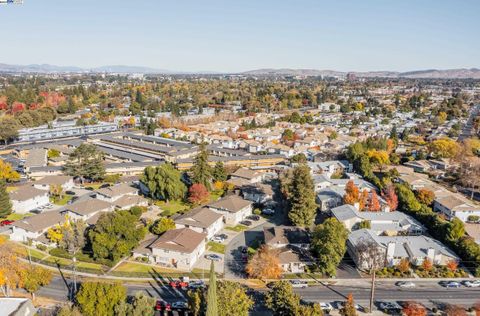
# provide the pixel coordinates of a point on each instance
(41, 247)
(257, 211)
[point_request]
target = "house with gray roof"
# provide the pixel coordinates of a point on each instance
(27, 198)
(201, 220)
(382, 223)
(35, 227)
(233, 208)
(395, 248)
(86, 209)
(115, 192)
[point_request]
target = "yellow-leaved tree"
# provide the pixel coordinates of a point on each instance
(7, 172)
(264, 264)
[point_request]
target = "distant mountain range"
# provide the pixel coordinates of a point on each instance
(429, 73)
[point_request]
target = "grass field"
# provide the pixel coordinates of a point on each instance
(16, 216)
(216, 247)
(172, 207)
(237, 228)
(62, 201)
(215, 195)
(143, 268)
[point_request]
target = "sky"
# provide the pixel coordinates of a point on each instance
(240, 35)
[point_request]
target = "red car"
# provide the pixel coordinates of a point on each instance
(179, 284)
(6, 222)
(163, 306)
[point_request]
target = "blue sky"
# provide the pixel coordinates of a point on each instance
(216, 35)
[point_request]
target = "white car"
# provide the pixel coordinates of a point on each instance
(218, 239)
(326, 307)
(406, 284)
(475, 283)
(298, 283)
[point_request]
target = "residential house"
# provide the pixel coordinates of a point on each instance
(34, 227)
(257, 193)
(329, 198)
(27, 198)
(395, 248)
(45, 183)
(251, 176)
(178, 248)
(294, 260)
(129, 201)
(87, 209)
(17, 306)
(115, 192)
(201, 220)
(456, 205)
(233, 208)
(382, 223)
(283, 236)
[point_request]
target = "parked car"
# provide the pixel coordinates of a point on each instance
(339, 305)
(243, 249)
(180, 305)
(450, 284)
(163, 306)
(405, 284)
(218, 239)
(196, 285)
(178, 284)
(268, 211)
(246, 223)
(298, 283)
(326, 307)
(213, 257)
(468, 283)
(6, 222)
(253, 217)
(224, 236)
(389, 307)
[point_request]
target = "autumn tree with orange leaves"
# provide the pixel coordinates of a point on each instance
(264, 264)
(404, 265)
(363, 200)
(374, 203)
(414, 309)
(390, 197)
(452, 265)
(352, 193)
(427, 264)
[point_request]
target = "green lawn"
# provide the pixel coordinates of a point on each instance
(16, 216)
(216, 247)
(237, 228)
(215, 195)
(62, 201)
(94, 186)
(143, 268)
(172, 207)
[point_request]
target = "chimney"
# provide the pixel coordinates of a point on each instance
(431, 254)
(390, 252)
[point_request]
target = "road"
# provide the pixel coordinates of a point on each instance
(467, 130)
(427, 292)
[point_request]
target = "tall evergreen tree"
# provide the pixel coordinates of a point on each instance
(201, 171)
(302, 199)
(212, 305)
(219, 172)
(5, 204)
(86, 161)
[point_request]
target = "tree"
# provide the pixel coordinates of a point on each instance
(363, 200)
(364, 224)
(98, 298)
(404, 265)
(9, 130)
(162, 225)
(352, 193)
(36, 277)
(115, 235)
(201, 171)
(219, 172)
(407, 199)
(372, 258)
(68, 310)
(7, 173)
(414, 309)
(232, 299)
(281, 300)
(425, 196)
(427, 264)
(86, 161)
(378, 157)
(348, 308)
(444, 148)
(455, 230)
(5, 204)
(56, 191)
(329, 245)
(198, 194)
(452, 265)
(264, 264)
(164, 182)
(390, 197)
(302, 197)
(455, 310)
(142, 305)
(374, 204)
(73, 241)
(55, 233)
(11, 268)
(212, 304)
(196, 301)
